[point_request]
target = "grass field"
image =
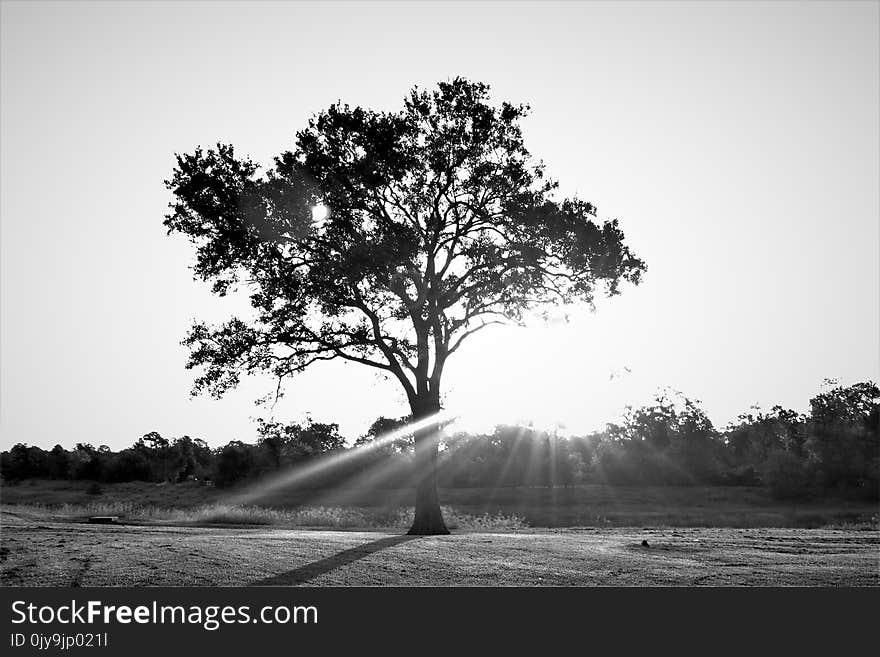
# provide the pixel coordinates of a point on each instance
(187, 534)
(37, 552)
(581, 506)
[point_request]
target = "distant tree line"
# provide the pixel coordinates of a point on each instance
(833, 447)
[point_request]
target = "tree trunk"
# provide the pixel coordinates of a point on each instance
(428, 517)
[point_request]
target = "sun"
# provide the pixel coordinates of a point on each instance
(319, 213)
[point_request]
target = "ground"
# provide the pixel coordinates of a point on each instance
(37, 552)
(592, 505)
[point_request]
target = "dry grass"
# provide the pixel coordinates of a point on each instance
(871, 524)
(575, 506)
(306, 516)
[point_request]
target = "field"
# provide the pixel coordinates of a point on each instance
(184, 535)
(45, 553)
(577, 506)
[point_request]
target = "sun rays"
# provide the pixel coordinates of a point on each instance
(373, 470)
(307, 473)
(366, 468)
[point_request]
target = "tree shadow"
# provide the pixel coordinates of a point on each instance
(315, 569)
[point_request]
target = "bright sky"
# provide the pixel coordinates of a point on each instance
(737, 143)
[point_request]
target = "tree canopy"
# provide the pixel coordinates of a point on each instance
(439, 223)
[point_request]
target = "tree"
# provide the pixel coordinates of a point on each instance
(235, 461)
(439, 223)
(22, 462)
(58, 463)
(754, 437)
(385, 425)
(843, 436)
(190, 457)
(296, 442)
(670, 441)
(85, 462)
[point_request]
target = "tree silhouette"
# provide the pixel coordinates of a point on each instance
(438, 224)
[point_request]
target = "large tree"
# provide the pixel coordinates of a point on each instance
(438, 224)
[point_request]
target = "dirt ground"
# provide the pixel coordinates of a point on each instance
(34, 552)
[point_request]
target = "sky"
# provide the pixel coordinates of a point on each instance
(736, 143)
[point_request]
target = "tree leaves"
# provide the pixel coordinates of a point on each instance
(440, 223)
